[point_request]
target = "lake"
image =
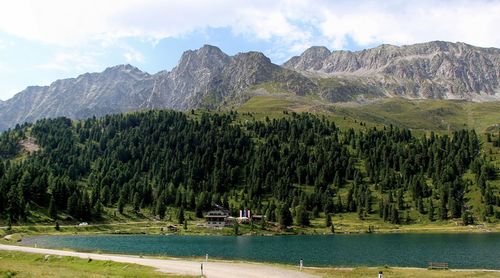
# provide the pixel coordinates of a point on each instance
(412, 250)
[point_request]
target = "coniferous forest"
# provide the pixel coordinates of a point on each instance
(290, 169)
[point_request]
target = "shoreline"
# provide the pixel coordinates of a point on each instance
(211, 268)
(158, 227)
(221, 268)
(222, 259)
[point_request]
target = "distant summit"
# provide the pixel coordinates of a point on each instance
(436, 69)
(209, 78)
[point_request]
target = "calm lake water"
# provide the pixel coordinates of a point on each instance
(459, 250)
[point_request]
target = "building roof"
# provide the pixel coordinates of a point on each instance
(217, 213)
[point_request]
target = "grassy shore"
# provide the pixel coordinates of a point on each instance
(344, 226)
(397, 272)
(343, 223)
(19, 264)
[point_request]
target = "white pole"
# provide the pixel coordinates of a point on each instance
(301, 264)
(206, 257)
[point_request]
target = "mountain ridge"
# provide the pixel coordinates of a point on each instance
(435, 69)
(209, 78)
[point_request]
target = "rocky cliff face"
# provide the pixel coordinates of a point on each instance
(436, 69)
(191, 79)
(112, 91)
(206, 78)
(209, 78)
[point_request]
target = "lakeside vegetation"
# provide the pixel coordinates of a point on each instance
(20, 264)
(147, 166)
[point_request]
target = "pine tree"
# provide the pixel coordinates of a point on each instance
(351, 205)
(271, 212)
(97, 210)
(381, 208)
(328, 221)
(408, 218)
(467, 218)
(340, 207)
(443, 211)
(52, 208)
(121, 205)
(136, 202)
(315, 212)
(285, 216)
(236, 228)
(420, 205)
(431, 211)
(263, 224)
(9, 222)
(180, 216)
(302, 216)
(160, 209)
(489, 210)
(73, 205)
(395, 215)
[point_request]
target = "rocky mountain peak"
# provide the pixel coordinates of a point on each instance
(311, 58)
(120, 71)
(252, 59)
(206, 57)
(208, 50)
(209, 78)
(253, 55)
(434, 69)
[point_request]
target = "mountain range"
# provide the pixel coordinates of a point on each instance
(208, 78)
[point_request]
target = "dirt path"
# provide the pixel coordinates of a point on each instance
(178, 266)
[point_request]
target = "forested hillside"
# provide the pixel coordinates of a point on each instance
(291, 169)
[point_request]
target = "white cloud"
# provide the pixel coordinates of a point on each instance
(473, 22)
(72, 61)
(3, 68)
(133, 56)
(5, 44)
(292, 25)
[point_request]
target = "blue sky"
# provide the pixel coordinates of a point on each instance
(41, 41)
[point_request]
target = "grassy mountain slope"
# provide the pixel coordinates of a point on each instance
(425, 115)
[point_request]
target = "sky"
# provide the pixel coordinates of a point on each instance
(42, 41)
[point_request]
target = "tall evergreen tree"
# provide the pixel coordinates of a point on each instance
(180, 216)
(285, 216)
(52, 208)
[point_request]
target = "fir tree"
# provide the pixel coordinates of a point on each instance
(236, 228)
(180, 216)
(160, 209)
(52, 208)
(285, 216)
(302, 216)
(121, 205)
(431, 211)
(328, 221)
